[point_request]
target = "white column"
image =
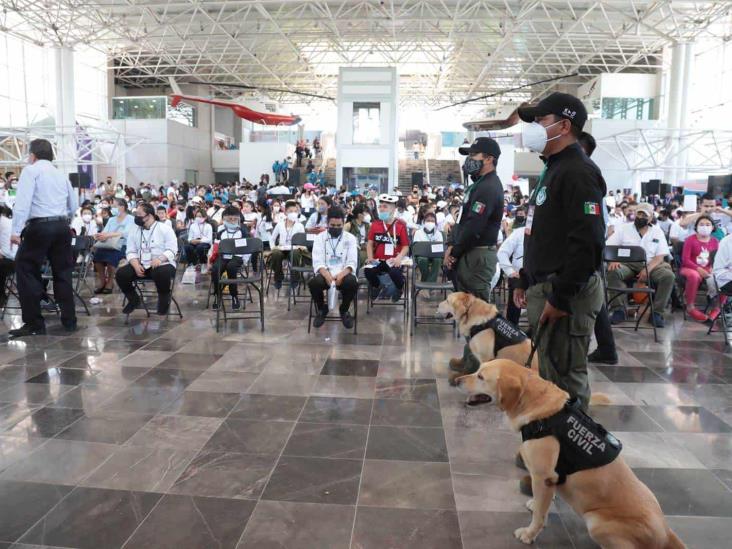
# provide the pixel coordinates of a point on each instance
(683, 154)
(66, 153)
(673, 116)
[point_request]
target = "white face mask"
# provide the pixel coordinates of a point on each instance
(534, 136)
(367, 218)
(86, 218)
(429, 226)
(704, 230)
(200, 220)
(292, 216)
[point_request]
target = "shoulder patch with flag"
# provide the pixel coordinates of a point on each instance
(592, 208)
(478, 207)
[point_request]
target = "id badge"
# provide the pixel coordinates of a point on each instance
(389, 249)
(334, 261)
(146, 257)
(529, 219)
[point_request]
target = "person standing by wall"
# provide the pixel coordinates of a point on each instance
(44, 205)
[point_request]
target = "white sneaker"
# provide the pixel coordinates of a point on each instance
(204, 269)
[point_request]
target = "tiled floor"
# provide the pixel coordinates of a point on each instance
(166, 434)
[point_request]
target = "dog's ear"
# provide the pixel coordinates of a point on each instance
(457, 302)
(508, 390)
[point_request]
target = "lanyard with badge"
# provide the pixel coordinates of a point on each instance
(389, 248)
(146, 245)
(334, 260)
(537, 199)
(230, 235)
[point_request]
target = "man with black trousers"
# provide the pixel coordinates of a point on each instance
(43, 207)
(605, 352)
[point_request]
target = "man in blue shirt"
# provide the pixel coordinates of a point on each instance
(44, 204)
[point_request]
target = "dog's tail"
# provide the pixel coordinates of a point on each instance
(674, 542)
(600, 399)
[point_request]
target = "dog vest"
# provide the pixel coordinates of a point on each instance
(583, 443)
(506, 334)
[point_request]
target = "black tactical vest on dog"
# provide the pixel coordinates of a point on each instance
(506, 334)
(583, 443)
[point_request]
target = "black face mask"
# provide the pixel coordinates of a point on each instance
(640, 222)
(335, 232)
(472, 167)
(140, 220)
(519, 221)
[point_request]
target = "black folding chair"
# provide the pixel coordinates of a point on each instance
(630, 254)
(11, 290)
(403, 300)
(304, 272)
(335, 318)
(726, 322)
(149, 295)
(81, 249)
(427, 250)
(251, 277)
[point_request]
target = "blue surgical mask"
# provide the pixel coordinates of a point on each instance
(385, 216)
(231, 226)
(115, 212)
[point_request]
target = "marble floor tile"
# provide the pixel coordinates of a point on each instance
(90, 518)
(498, 527)
(328, 440)
(59, 462)
(189, 522)
(190, 361)
(350, 367)
(169, 379)
(250, 437)
(407, 443)
(226, 475)
(410, 413)
(223, 381)
(24, 503)
(314, 480)
(283, 384)
(378, 528)
(629, 374)
(689, 492)
(145, 359)
(337, 410)
(406, 389)
(713, 450)
(701, 532)
(46, 422)
(140, 468)
(657, 450)
(281, 524)
(13, 412)
(176, 432)
(63, 376)
(203, 404)
(656, 394)
(624, 418)
(143, 400)
(33, 393)
(14, 448)
(406, 485)
(268, 407)
(687, 419)
(344, 386)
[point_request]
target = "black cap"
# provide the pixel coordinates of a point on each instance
(484, 145)
(563, 105)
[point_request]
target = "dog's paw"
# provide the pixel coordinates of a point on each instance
(524, 535)
(530, 505)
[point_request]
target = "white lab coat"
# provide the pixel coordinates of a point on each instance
(335, 254)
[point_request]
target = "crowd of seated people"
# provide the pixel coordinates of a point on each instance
(136, 230)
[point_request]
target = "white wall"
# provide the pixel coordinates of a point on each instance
(257, 158)
(378, 85)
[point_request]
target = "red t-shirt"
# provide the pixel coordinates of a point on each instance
(381, 234)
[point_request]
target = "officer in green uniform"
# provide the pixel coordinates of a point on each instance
(472, 249)
(560, 283)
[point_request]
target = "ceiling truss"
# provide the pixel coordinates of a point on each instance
(446, 50)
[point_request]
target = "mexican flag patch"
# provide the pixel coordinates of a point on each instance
(478, 207)
(592, 208)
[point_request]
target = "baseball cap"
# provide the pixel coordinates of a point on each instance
(484, 145)
(560, 104)
(646, 208)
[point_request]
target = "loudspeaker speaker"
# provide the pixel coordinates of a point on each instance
(654, 186)
(80, 180)
(644, 188)
(665, 188)
(417, 179)
(720, 184)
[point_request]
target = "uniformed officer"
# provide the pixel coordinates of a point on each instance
(564, 239)
(472, 250)
(44, 204)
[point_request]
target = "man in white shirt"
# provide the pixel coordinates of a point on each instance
(653, 241)
(151, 250)
(335, 260)
(281, 241)
(511, 258)
(200, 237)
(229, 229)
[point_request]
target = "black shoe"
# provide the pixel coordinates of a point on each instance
(374, 292)
(215, 304)
(235, 303)
(320, 318)
(132, 304)
(603, 358)
(163, 305)
(98, 291)
(27, 330)
(107, 291)
(657, 320)
(70, 326)
(278, 284)
(397, 296)
(347, 320)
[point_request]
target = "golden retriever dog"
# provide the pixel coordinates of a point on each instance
(618, 509)
(469, 311)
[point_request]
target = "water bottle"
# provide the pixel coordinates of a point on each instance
(332, 296)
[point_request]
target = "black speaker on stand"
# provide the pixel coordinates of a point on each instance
(418, 179)
(654, 186)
